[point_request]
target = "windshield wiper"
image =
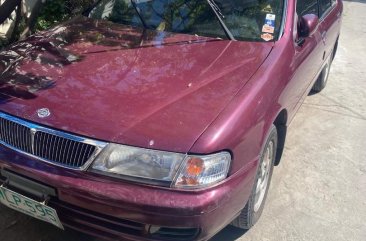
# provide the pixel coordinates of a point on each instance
(138, 13)
(220, 17)
(87, 11)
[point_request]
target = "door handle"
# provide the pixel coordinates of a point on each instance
(324, 36)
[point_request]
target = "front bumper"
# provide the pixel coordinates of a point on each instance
(119, 210)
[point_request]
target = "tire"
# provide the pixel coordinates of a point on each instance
(322, 80)
(254, 207)
(335, 50)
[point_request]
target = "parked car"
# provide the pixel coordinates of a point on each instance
(158, 120)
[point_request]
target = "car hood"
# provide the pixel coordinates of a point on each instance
(127, 85)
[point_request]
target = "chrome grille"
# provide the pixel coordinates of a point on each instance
(15, 135)
(61, 150)
(48, 145)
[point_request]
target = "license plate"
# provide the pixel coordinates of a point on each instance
(29, 206)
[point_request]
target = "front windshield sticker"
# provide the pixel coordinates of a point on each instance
(267, 29)
(267, 36)
(269, 25)
(270, 19)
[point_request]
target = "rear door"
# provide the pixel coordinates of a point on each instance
(310, 53)
(330, 16)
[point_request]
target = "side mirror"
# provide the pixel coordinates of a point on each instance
(308, 25)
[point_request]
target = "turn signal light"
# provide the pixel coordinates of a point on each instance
(202, 171)
(194, 166)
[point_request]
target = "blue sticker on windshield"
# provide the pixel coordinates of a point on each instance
(270, 20)
(269, 25)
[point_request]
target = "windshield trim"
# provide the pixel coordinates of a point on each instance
(283, 21)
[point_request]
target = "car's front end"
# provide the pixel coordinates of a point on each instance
(88, 200)
(111, 125)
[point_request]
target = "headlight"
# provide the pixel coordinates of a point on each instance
(174, 169)
(138, 162)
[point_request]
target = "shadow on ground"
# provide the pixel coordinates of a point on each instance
(229, 233)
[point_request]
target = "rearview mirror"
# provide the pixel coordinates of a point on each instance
(307, 25)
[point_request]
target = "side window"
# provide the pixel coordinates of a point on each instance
(325, 5)
(304, 7)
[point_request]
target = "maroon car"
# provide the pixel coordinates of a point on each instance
(158, 119)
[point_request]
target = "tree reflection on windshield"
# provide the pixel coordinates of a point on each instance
(245, 19)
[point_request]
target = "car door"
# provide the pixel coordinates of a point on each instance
(330, 17)
(308, 57)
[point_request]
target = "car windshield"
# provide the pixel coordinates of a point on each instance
(253, 20)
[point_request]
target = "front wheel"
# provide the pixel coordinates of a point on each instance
(254, 207)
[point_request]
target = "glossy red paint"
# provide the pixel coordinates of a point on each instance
(187, 93)
(148, 85)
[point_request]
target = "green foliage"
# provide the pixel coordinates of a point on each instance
(52, 12)
(55, 11)
(3, 42)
